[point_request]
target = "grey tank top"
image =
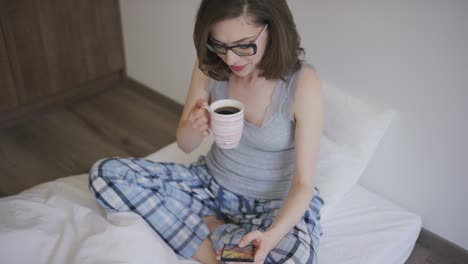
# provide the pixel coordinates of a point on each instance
(262, 166)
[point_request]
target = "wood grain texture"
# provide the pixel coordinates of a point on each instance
(28, 111)
(20, 24)
(67, 140)
(8, 97)
(54, 46)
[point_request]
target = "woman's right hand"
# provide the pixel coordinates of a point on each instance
(199, 117)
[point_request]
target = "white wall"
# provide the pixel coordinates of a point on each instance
(158, 43)
(408, 55)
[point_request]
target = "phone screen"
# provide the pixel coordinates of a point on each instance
(233, 253)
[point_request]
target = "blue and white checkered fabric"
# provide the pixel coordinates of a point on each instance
(172, 198)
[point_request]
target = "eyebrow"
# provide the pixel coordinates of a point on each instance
(235, 42)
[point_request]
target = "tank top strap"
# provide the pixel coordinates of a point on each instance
(289, 92)
(283, 97)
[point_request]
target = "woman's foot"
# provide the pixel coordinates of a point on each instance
(212, 222)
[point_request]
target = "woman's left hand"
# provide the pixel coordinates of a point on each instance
(263, 243)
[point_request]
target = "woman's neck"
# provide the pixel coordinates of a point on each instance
(257, 84)
(249, 80)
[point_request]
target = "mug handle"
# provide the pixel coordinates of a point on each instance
(209, 112)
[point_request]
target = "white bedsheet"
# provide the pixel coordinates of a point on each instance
(60, 222)
(365, 228)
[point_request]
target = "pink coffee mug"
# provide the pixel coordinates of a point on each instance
(227, 122)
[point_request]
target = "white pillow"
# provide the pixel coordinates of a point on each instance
(338, 169)
(352, 132)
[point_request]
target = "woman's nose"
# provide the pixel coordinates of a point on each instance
(231, 57)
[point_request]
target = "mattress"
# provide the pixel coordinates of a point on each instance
(366, 228)
(60, 222)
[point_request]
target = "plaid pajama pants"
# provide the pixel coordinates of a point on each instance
(172, 198)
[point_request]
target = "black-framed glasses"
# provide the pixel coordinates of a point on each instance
(239, 49)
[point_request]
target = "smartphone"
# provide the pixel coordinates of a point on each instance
(233, 253)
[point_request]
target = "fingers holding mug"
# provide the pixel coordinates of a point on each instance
(203, 125)
(199, 117)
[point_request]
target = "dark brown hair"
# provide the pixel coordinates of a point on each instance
(283, 51)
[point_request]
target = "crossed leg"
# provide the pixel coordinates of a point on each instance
(205, 253)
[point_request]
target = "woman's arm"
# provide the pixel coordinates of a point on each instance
(194, 121)
(308, 115)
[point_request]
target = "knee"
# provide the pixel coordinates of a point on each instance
(109, 168)
(103, 172)
(98, 167)
(94, 173)
(102, 176)
(97, 164)
(292, 250)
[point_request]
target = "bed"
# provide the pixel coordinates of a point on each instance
(60, 222)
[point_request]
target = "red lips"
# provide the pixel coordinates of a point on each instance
(237, 68)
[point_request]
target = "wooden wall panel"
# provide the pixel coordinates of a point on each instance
(58, 45)
(101, 32)
(112, 30)
(8, 98)
(25, 47)
(62, 43)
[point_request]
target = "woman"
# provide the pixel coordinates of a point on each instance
(262, 192)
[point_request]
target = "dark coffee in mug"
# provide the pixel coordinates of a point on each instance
(227, 110)
(227, 122)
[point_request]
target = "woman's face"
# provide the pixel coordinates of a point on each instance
(240, 31)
